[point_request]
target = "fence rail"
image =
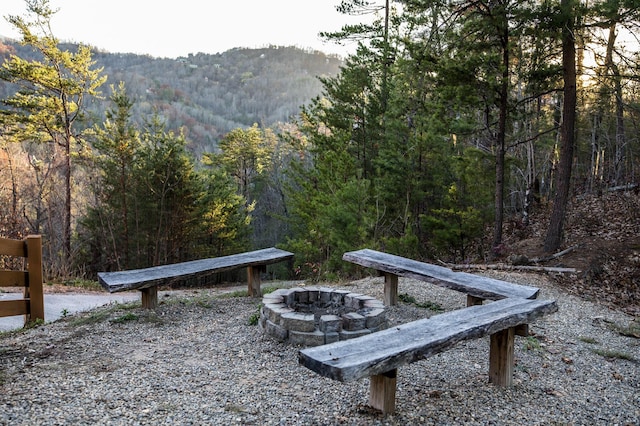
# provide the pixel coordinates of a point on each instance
(28, 276)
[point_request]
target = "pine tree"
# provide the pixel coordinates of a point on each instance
(116, 145)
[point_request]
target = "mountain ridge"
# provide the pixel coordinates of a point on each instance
(208, 95)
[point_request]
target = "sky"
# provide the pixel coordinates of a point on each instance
(177, 28)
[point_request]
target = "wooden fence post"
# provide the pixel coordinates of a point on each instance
(33, 291)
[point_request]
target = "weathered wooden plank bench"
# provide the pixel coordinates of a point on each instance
(147, 280)
(476, 287)
(379, 355)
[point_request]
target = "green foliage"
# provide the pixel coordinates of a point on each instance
(532, 344)
(388, 167)
(152, 205)
(234, 294)
(255, 317)
(330, 195)
(245, 155)
(93, 317)
(224, 218)
(614, 354)
(432, 306)
(454, 229)
(34, 323)
(128, 317)
(333, 225)
(82, 283)
(631, 330)
(465, 208)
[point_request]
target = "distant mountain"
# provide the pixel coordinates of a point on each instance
(210, 94)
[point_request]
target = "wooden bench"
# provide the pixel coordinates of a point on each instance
(476, 287)
(147, 280)
(29, 278)
(378, 355)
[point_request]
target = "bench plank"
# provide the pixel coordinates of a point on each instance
(473, 285)
(139, 279)
(386, 350)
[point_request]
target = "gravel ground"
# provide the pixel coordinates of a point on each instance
(198, 361)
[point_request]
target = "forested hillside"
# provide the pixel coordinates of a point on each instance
(208, 95)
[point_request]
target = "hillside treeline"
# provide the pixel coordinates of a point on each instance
(451, 120)
(207, 95)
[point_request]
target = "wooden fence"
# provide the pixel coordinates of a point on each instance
(15, 273)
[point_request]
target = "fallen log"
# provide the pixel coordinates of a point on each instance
(553, 256)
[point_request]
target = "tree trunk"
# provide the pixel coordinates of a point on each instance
(502, 130)
(613, 71)
(567, 128)
(67, 202)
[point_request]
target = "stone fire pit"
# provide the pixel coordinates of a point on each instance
(312, 316)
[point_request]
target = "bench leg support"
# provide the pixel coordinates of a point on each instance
(390, 289)
(473, 300)
(501, 357)
(253, 278)
(149, 297)
(382, 391)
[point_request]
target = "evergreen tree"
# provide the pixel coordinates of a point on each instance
(246, 155)
(116, 145)
(167, 195)
(223, 219)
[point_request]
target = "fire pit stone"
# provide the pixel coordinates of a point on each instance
(312, 316)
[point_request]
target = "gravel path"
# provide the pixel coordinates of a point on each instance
(198, 361)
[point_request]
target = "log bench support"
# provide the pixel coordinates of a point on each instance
(382, 391)
(382, 387)
(379, 355)
(147, 280)
(149, 297)
(501, 357)
(477, 288)
(253, 279)
(390, 289)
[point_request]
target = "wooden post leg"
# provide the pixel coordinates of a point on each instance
(522, 330)
(390, 289)
(149, 297)
(382, 391)
(253, 277)
(34, 291)
(501, 357)
(473, 300)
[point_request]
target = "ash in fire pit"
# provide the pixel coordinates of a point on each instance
(312, 316)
